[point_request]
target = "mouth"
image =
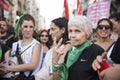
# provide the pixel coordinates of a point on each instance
(2, 32)
(73, 41)
(103, 33)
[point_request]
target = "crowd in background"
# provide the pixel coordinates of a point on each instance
(68, 50)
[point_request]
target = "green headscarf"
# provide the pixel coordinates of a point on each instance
(72, 57)
(17, 24)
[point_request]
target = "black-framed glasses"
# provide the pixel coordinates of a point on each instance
(43, 35)
(104, 26)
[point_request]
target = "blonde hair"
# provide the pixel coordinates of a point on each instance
(83, 23)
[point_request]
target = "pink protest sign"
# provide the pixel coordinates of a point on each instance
(98, 10)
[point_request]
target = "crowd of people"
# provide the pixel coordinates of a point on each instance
(68, 50)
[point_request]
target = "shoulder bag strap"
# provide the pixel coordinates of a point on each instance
(19, 57)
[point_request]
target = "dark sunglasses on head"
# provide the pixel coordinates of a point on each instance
(43, 35)
(104, 26)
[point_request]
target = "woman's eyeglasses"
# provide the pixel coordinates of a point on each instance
(104, 26)
(43, 35)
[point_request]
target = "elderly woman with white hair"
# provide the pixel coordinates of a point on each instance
(77, 64)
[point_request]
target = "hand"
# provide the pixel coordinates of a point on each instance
(57, 50)
(97, 61)
(2, 69)
(57, 46)
(111, 73)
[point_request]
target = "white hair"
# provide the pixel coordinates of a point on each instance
(83, 23)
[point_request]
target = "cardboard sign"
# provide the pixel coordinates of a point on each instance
(98, 10)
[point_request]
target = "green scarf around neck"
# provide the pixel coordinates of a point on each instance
(72, 57)
(75, 52)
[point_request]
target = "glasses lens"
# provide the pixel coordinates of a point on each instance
(46, 35)
(104, 26)
(43, 35)
(107, 27)
(100, 27)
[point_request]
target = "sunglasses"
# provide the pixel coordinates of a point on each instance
(104, 26)
(43, 35)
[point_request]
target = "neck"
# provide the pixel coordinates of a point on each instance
(43, 44)
(104, 39)
(26, 41)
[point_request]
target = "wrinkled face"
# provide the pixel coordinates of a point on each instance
(104, 30)
(3, 27)
(116, 25)
(43, 37)
(55, 31)
(27, 28)
(76, 35)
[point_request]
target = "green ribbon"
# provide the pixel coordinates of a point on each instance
(0, 53)
(73, 56)
(17, 24)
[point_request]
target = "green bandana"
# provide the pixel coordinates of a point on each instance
(17, 24)
(0, 53)
(73, 56)
(75, 52)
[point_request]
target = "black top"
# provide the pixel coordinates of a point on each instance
(82, 68)
(115, 55)
(4, 49)
(8, 40)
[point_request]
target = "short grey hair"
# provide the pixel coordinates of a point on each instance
(83, 23)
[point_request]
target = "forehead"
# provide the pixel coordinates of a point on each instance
(44, 32)
(74, 27)
(2, 22)
(104, 22)
(53, 25)
(26, 22)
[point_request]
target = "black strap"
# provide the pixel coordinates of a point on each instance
(18, 55)
(20, 61)
(26, 48)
